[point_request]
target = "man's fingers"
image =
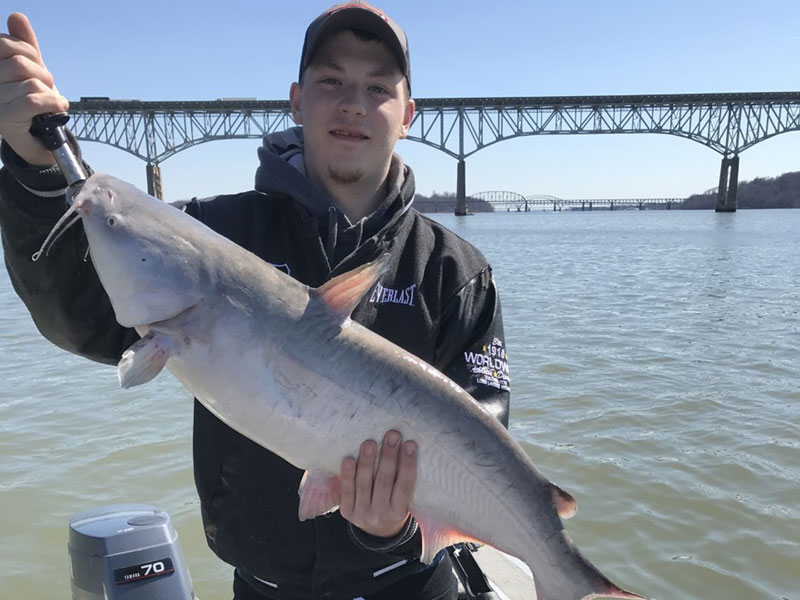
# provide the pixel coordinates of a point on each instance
(18, 112)
(10, 46)
(387, 469)
(20, 27)
(26, 90)
(20, 68)
(376, 498)
(348, 486)
(364, 476)
(406, 478)
(11, 92)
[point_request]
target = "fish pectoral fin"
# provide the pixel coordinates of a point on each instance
(565, 503)
(144, 359)
(320, 493)
(436, 536)
(343, 293)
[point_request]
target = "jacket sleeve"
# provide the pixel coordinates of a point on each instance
(61, 290)
(470, 347)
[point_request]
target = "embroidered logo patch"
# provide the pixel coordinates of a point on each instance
(381, 295)
(490, 366)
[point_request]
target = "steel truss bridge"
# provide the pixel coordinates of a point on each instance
(460, 127)
(513, 201)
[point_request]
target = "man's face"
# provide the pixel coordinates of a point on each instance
(353, 106)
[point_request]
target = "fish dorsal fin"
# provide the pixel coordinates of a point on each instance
(565, 503)
(343, 293)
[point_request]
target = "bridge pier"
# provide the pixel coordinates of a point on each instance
(154, 181)
(728, 184)
(461, 189)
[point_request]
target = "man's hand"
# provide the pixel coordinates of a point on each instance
(26, 90)
(379, 503)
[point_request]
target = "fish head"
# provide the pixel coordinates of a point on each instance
(142, 250)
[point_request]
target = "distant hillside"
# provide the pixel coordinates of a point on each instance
(762, 192)
(446, 203)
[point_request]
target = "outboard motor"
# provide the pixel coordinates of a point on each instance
(126, 552)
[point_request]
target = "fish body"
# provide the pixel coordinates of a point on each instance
(284, 365)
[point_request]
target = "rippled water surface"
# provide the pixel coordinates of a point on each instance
(656, 376)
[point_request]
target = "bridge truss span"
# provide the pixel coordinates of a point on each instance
(460, 127)
(727, 123)
(513, 201)
(155, 131)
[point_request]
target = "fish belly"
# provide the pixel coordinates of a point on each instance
(314, 412)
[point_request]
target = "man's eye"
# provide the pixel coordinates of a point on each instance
(378, 89)
(330, 81)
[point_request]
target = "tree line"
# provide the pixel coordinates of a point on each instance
(446, 203)
(782, 191)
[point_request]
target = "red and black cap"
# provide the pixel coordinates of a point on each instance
(357, 15)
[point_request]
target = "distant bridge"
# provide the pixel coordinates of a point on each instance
(460, 127)
(513, 201)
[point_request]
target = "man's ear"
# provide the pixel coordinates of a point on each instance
(294, 100)
(408, 116)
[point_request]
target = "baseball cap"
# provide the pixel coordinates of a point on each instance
(357, 15)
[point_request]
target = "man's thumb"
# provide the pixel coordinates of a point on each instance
(20, 27)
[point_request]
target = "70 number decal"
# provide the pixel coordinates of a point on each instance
(151, 570)
(155, 568)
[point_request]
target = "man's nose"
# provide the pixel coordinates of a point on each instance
(353, 101)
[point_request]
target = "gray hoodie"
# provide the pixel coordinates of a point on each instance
(282, 173)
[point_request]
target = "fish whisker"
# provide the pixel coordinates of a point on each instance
(69, 218)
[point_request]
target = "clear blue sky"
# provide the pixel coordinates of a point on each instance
(206, 50)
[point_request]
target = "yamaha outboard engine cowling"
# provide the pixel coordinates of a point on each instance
(126, 552)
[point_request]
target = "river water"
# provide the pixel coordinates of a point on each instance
(655, 375)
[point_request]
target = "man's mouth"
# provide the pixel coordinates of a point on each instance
(344, 133)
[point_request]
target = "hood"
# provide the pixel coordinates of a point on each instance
(281, 173)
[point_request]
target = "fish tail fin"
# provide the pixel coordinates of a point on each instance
(606, 590)
(615, 592)
(575, 579)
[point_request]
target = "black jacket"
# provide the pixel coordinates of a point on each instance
(437, 300)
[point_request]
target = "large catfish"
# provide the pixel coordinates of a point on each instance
(284, 365)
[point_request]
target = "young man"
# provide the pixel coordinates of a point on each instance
(330, 195)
